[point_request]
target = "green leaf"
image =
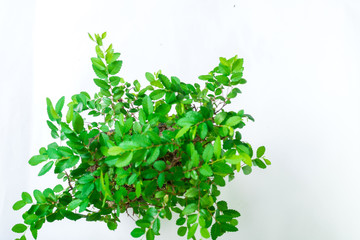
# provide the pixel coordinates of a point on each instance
(182, 231)
(78, 122)
(219, 118)
(98, 64)
(137, 232)
(18, 205)
(58, 188)
(165, 81)
(19, 228)
(208, 152)
(149, 77)
(204, 232)
(260, 151)
(192, 192)
(157, 94)
(74, 204)
(182, 131)
(46, 168)
(189, 209)
(236, 159)
(205, 170)
(203, 130)
(206, 77)
(260, 163)
(192, 230)
(112, 225)
(246, 170)
(70, 114)
(160, 165)
(35, 160)
(163, 109)
(124, 159)
(26, 197)
(52, 126)
(51, 111)
(99, 52)
(217, 147)
(156, 226)
(150, 234)
(114, 67)
(232, 121)
(39, 196)
(101, 83)
(116, 150)
(147, 105)
(59, 105)
(161, 179)
(267, 161)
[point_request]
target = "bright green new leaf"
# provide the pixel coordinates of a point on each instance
(182, 131)
(208, 152)
(260, 151)
(114, 67)
(35, 160)
(26, 197)
(232, 121)
(101, 83)
(19, 228)
(205, 170)
(217, 147)
(59, 105)
(116, 150)
(189, 209)
(18, 205)
(219, 118)
(46, 168)
(204, 232)
(124, 159)
(51, 111)
(147, 105)
(157, 94)
(39, 196)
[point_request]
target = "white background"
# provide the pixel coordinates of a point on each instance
(302, 63)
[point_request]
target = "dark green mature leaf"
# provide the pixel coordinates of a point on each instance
(112, 225)
(137, 232)
(78, 123)
(165, 81)
(181, 231)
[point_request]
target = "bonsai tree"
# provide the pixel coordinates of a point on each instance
(155, 152)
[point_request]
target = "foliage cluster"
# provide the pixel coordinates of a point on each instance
(149, 152)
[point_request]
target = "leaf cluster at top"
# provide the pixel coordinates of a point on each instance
(148, 152)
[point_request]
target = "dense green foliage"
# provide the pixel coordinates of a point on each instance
(152, 152)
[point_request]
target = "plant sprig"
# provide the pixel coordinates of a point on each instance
(148, 152)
